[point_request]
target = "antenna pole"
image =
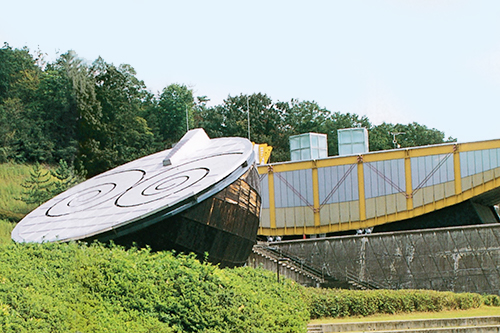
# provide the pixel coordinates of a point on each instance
(248, 118)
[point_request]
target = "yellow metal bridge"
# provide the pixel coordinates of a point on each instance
(361, 191)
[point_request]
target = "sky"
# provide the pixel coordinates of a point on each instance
(434, 62)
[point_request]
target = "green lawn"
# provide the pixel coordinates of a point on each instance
(479, 312)
(12, 175)
(5, 230)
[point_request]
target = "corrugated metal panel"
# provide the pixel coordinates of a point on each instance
(495, 162)
(473, 162)
(264, 188)
(384, 205)
(265, 218)
(431, 170)
(340, 212)
(294, 217)
(384, 178)
(338, 184)
(293, 188)
(478, 160)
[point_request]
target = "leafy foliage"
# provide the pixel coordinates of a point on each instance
(273, 123)
(12, 175)
(172, 114)
(64, 178)
(23, 187)
(75, 287)
(38, 187)
(6, 228)
(117, 133)
(97, 116)
(411, 135)
(44, 184)
(335, 303)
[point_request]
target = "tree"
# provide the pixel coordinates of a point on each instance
(44, 184)
(38, 188)
(20, 78)
(10, 117)
(57, 113)
(380, 137)
(88, 125)
(98, 116)
(14, 64)
(231, 119)
(172, 114)
(37, 109)
(65, 177)
(208, 118)
(114, 131)
(305, 116)
(412, 135)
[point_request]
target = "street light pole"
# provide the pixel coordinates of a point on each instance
(248, 118)
(394, 141)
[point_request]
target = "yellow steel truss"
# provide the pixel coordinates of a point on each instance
(454, 149)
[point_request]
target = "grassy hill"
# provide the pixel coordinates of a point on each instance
(12, 175)
(12, 209)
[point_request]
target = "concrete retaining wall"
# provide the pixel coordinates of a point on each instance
(450, 325)
(459, 259)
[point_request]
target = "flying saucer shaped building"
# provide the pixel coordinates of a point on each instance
(201, 196)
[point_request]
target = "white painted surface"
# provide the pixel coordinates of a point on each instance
(134, 191)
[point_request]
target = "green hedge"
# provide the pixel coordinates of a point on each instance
(78, 288)
(491, 300)
(336, 303)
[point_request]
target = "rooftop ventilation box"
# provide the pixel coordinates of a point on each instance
(353, 141)
(308, 146)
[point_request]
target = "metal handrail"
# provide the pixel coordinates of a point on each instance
(303, 264)
(297, 262)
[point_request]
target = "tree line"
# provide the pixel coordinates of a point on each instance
(95, 116)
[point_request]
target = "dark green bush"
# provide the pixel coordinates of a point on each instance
(336, 303)
(79, 288)
(491, 300)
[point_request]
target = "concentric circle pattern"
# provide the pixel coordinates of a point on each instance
(95, 192)
(161, 186)
(135, 191)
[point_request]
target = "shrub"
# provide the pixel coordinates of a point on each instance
(491, 300)
(344, 303)
(74, 287)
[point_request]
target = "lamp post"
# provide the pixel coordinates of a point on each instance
(394, 141)
(248, 118)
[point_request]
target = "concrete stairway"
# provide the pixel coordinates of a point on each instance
(451, 325)
(298, 269)
(269, 259)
